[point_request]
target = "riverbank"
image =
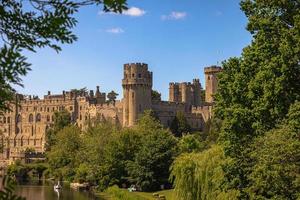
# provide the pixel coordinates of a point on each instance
(126, 195)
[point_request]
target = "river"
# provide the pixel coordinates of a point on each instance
(46, 192)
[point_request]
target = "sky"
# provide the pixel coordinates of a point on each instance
(176, 38)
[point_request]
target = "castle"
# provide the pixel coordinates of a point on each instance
(25, 125)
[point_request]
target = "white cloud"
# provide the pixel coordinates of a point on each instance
(133, 12)
(116, 30)
(174, 16)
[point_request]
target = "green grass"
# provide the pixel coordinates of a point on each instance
(119, 194)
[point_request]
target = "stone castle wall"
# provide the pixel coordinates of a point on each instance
(24, 127)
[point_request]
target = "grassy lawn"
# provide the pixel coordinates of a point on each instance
(149, 196)
(140, 195)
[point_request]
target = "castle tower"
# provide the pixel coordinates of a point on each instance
(197, 92)
(137, 87)
(211, 82)
(173, 92)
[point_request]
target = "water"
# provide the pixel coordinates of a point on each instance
(46, 192)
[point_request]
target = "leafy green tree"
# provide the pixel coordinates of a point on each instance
(190, 143)
(64, 155)
(118, 152)
(276, 173)
(61, 120)
(158, 148)
(257, 89)
(180, 125)
(155, 95)
(80, 92)
(112, 96)
(18, 170)
(199, 176)
(29, 25)
(94, 143)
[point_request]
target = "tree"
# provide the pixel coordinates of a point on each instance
(155, 95)
(257, 89)
(32, 25)
(199, 176)
(61, 120)
(156, 152)
(190, 143)
(121, 149)
(79, 92)
(64, 154)
(180, 125)
(112, 96)
(92, 154)
(276, 171)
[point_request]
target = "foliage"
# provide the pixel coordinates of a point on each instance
(29, 25)
(7, 192)
(155, 95)
(212, 130)
(180, 125)
(79, 92)
(190, 143)
(65, 155)
(276, 173)
(119, 150)
(157, 149)
(61, 120)
(257, 89)
(106, 155)
(18, 170)
(112, 96)
(198, 176)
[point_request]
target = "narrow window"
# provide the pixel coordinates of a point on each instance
(30, 119)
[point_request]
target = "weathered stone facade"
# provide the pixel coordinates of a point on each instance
(24, 127)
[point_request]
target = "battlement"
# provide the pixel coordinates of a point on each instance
(127, 66)
(212, 69)
(137, 74)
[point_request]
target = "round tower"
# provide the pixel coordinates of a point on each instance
(137, 87)
(211, 82)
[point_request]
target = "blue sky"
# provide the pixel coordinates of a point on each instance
(177, 38)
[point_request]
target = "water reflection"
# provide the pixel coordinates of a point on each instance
(47, 192)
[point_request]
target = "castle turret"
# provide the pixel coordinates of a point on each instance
(137, 86)
(211, 82)
(197, 92)
(173, 92)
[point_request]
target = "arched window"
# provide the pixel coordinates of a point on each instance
(4, 120)
(30, 119)
(48, 118)
(38, 117)
(17, 130)
(19, 118)
(8, 119)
